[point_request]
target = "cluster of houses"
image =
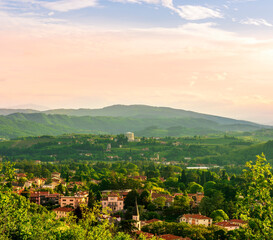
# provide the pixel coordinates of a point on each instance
(22, 182)
(113, 200)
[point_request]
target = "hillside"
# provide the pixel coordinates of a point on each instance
(6, 111)
(218, 150)
(134, 111)
(35, 124)
(144, 111)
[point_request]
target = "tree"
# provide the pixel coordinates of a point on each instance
(61, 188)
(75, 188)
(127, 226)
(195, 187)
(255, 204)
(219, 215)
(206, 206)
(9, 173)
(22, 180)
(130, 200)
(91, 199)
(26, 194)
(160, 202)
(98, 196)
(145, 198)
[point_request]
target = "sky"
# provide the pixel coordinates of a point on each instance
(209, 56)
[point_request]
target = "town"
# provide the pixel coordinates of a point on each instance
(144, 197)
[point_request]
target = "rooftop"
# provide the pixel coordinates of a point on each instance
(63, 209)
(196, 216)
(173, 237)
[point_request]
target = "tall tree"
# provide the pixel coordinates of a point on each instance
(255, 204)
(91, 199)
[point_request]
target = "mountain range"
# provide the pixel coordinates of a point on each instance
(142, 119)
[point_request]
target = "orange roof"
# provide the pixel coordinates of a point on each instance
(237, 221)
(112, 195)
(225, 224)
(21, 175)
(157, 195)
(63, 209)
(153, 220)
(173, 237)
(196, 216)
(142, 178)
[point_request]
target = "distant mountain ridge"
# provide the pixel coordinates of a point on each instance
(8, 111)
(135, 111)
(143, 120)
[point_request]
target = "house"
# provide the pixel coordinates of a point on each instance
(113, 201)
(38, 181)
(196, 219)
(95, 181)
(169, 199)
(227, 225)
(18, 185)
(44, 198)
(120, 193)
(196, 198)
(238, 222)
(55, 175)
(172, 237)
(143, 223)
(20, 175)
(62, 212)
(140, 178)
(73, 201)
(28, 184)
(50, 198)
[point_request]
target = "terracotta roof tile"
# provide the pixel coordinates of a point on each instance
(63, 209)
(196, 216)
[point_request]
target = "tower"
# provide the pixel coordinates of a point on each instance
(135, 217)
(130, 136)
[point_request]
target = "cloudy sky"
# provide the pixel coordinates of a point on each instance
(210, 56)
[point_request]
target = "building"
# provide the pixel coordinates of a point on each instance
(130, 136)
(113, 201)
(20, 175)
(121, 193)
(44, 198)
(108, 149)
(196, 198)
(196, 219)
(172, 237)
(38, 181)
(140, 178)
(227, 225)
(169, 199)
(238, 222)
(56, 175)
(135, 217)
(143, 223)
(62, 212)
(72, 201)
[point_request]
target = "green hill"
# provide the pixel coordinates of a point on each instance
(136, 111)
(144, 111)
(36, 124)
